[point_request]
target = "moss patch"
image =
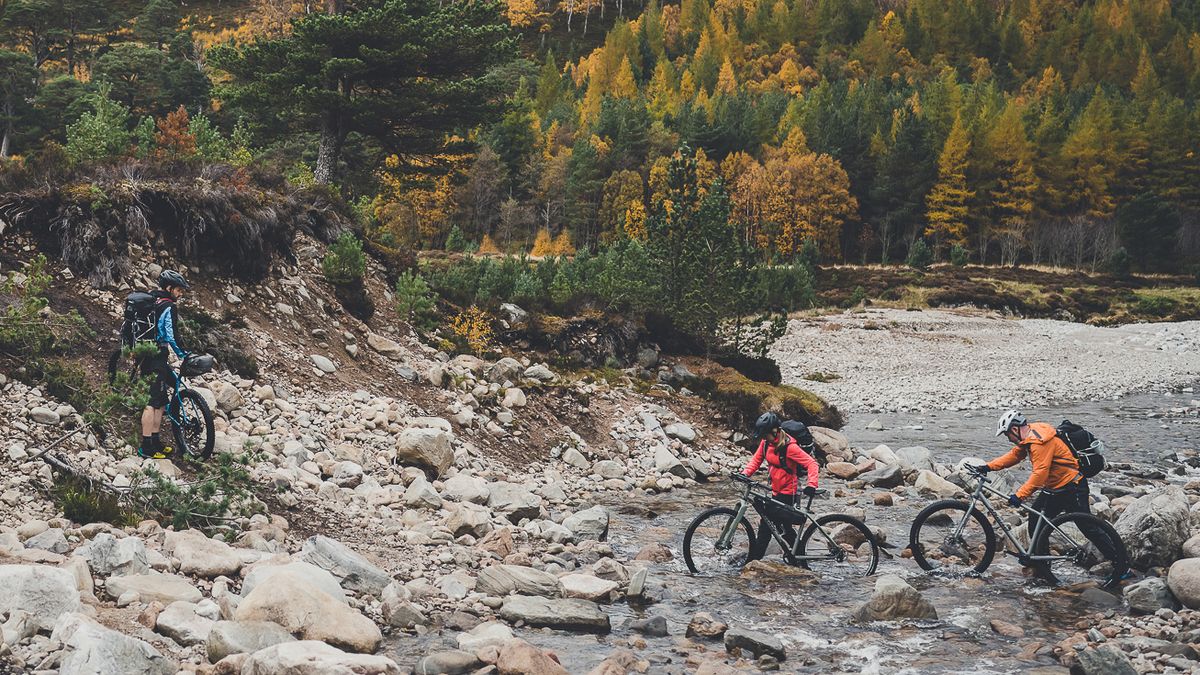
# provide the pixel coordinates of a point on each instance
(744, 400)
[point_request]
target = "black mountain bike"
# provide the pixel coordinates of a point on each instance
(187, 416)
(721, 540)
(955, 536)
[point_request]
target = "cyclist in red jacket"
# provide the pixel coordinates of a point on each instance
(785, 457)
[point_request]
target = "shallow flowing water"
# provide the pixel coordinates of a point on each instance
(812, 619)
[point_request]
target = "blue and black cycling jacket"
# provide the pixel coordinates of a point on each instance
(166, 329)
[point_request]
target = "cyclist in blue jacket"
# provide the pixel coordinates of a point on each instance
(173, 286)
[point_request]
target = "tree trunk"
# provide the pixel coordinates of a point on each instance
(329, 150)
(8, 129)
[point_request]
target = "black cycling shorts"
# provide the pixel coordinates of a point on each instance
(164, 379)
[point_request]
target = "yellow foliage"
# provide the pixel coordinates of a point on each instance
(946, 204)
(563, 245)
(727, 81)
(473, 326)
(413, 214)
(624, 86)
(635, 220)
(521, 13)
(543, 244)
(488, 245)
(266, 19)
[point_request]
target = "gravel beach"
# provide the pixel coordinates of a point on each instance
(889, 359)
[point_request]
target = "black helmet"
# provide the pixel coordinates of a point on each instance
(767, 422)
(170, 278)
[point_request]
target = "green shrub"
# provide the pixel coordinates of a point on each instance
(344, 263)
(528, 288)
(959, 256)
(857, 296)
(455, 241)
(210, 144)
(81, 502)
(222, 491)
(1156, 305)
(1119, 263)
(100, 134)
(28, 329)
(116, 406)
(414, 301)
(919, 255)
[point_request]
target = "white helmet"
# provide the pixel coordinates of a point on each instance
(1010, 419)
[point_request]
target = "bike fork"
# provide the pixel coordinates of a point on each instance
(731, 526)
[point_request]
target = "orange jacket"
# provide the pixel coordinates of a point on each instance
(783, 473)
(1053, 463)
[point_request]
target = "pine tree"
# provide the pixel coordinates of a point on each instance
(549, 86)
(623, 85)
(946, 205)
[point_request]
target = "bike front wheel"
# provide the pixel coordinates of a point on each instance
(703, 549)
(191, 424)
(948, 538)
(1083, 549)
(839, 547)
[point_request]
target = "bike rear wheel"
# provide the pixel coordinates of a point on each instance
(848, 552)
(706, 555)
(191, 424)
(936, 546)
(1086, 549)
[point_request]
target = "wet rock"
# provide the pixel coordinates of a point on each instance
(356, 572)
(180, 622)
(427, 449)
(311, 657)
(46, 593)
(1007, 629)
(568, 614)
(589, 524)
(1183, 579)
(309, 613)
(92, 649)
(655, 626)
(108, 556)
(514, 501)
(451, 662)
(885, 477)
(773, 571)
(754, 642)
(505, 579)
(243, 637)
(1149, 595)
(200, 556)
(518, 657)
(622, 662)
(491, 633)
(1154, 527)
(657, 553)
(706, 626)
(894, 599)
(1105, 660)
(587, 587)
(1099, 598)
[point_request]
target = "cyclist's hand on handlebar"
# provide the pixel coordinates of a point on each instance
(979, 468)
(810, 491)
(1014, 500)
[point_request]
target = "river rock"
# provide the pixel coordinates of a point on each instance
(323, 364)
(886, 477)
(1154, 527)
(754, 642)
(894, 599)
(51, 540)
(203, 557)
(518, 657)
(705, 625)
(843, 470)
(180, 622)
(655, 626)
(427, 449)
(505, 579)
(308, 572)
(310, 657)
(107, 556)
(356, 572)
(451, 662)
(514, 501)
(1149, 595)
(92, 649)
(587, 587)
(165, 588)
(607, 468)
(46, 593)
(915, 458)
(566, 614)
(420, 494)
(588, 524)
(489, 633)
(666, 462)
(1105, 660)
(1191, 547)
(1184, 581)
(243, 637)
(463, 487)
(930, 484)
(309, 613)
(833, 443)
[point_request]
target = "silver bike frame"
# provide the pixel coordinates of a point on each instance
(979, 496)
(745, 503)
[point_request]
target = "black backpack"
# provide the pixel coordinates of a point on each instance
(1085, 446)
(141, 319)
(799, 431)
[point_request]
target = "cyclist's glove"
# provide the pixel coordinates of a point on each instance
(1014, 500)
(980, 468)
(810, 491)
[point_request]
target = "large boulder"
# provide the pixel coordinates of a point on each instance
(462, 487)
(108, 556)
(243, 637)
(587, 587)
(309, 613)
(310, 657)
(45, 592)
(1154, 527)
(505, 579)
(665, 461)
(1184, 581)
(514, 501)
(1149, 595)
(915, 458)
(884, 477)
(308, 572)
(1105, 660)
(468, 518)
(754, 642)
(588, 524)
(506, 368)
(180, 622)
(894, 599)
(92, 649)
(518, 657)
(203, 557)
(356, 572)
(568, 614)
(427, 449)
(930, 484)
(831, 442)
(165, 588)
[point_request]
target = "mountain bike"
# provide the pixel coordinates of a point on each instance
(721, 540)
(956, 537)
(187, 414)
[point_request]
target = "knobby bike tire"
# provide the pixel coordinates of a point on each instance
(205, 419)
(958, 508)
(722, 515)
(1083, 521)
(826, 522)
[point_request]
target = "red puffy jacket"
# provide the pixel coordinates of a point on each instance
(783, 471)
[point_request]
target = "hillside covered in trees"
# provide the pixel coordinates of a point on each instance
(1033, 131)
